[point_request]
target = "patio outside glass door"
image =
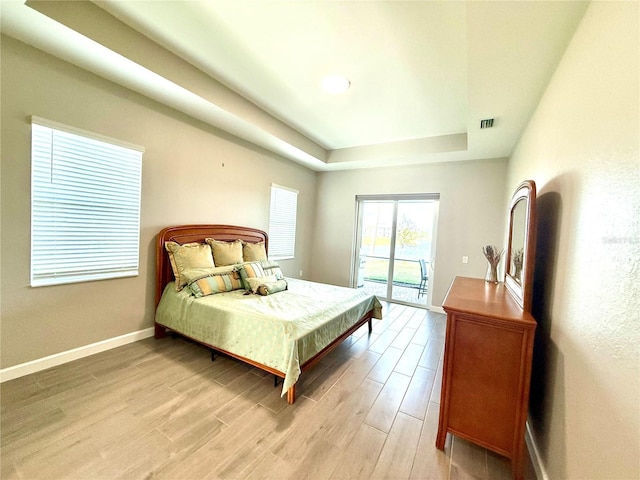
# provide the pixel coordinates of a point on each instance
(395, 246)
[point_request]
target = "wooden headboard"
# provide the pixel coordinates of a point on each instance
(197, 233)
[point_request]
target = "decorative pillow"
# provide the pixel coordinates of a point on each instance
(188, 257)
(250, 270)
(253, 252)
(257, 270)
(254, 283)
(272, 287)
(221, 281)
(272, 268)
(225, 253)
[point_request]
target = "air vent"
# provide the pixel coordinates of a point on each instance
(487, 123)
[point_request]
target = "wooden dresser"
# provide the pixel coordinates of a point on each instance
(487, 369)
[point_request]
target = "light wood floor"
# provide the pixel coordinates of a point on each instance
(162, 409)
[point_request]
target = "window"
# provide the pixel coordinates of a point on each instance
(282, 222)
(85, 205)
(395, 249)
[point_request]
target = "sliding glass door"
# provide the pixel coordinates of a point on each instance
(395, 246)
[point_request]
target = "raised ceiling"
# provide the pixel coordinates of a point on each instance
(423, 73)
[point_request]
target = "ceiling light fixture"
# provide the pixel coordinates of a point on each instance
(335, 84)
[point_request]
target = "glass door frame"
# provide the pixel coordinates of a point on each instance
(396, 198)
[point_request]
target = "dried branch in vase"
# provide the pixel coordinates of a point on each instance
(492, 254)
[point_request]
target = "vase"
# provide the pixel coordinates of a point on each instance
(492, 273)
(518, 272)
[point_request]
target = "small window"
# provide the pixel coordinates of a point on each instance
(282, 222)
(85, 205)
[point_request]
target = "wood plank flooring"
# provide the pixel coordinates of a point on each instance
(161, 409)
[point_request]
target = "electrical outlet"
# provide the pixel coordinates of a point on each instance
(465, 259)
(300, 272)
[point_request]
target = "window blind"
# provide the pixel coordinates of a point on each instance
(85, 206)
(282, 222)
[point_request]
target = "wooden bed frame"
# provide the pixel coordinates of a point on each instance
(197, 233)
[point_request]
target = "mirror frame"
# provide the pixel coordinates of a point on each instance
(522, 291)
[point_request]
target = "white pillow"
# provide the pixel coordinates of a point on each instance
(254, 283)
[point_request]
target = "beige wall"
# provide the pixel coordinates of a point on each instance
(472, 214)
(581, 147)
(183, 181)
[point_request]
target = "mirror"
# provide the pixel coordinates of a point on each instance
(521, 244)
(518, 229)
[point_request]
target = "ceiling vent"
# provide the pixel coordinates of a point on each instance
(487, 123)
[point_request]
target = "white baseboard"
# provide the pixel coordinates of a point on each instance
(534, 453)
(437, 309)
(64, 357)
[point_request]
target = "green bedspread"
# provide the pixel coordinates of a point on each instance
(281, 331)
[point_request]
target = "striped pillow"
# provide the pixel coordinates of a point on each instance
(216, 283)
(272, 268)
(261, 269)
(250, 270)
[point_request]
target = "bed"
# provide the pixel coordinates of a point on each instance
(284, 333)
